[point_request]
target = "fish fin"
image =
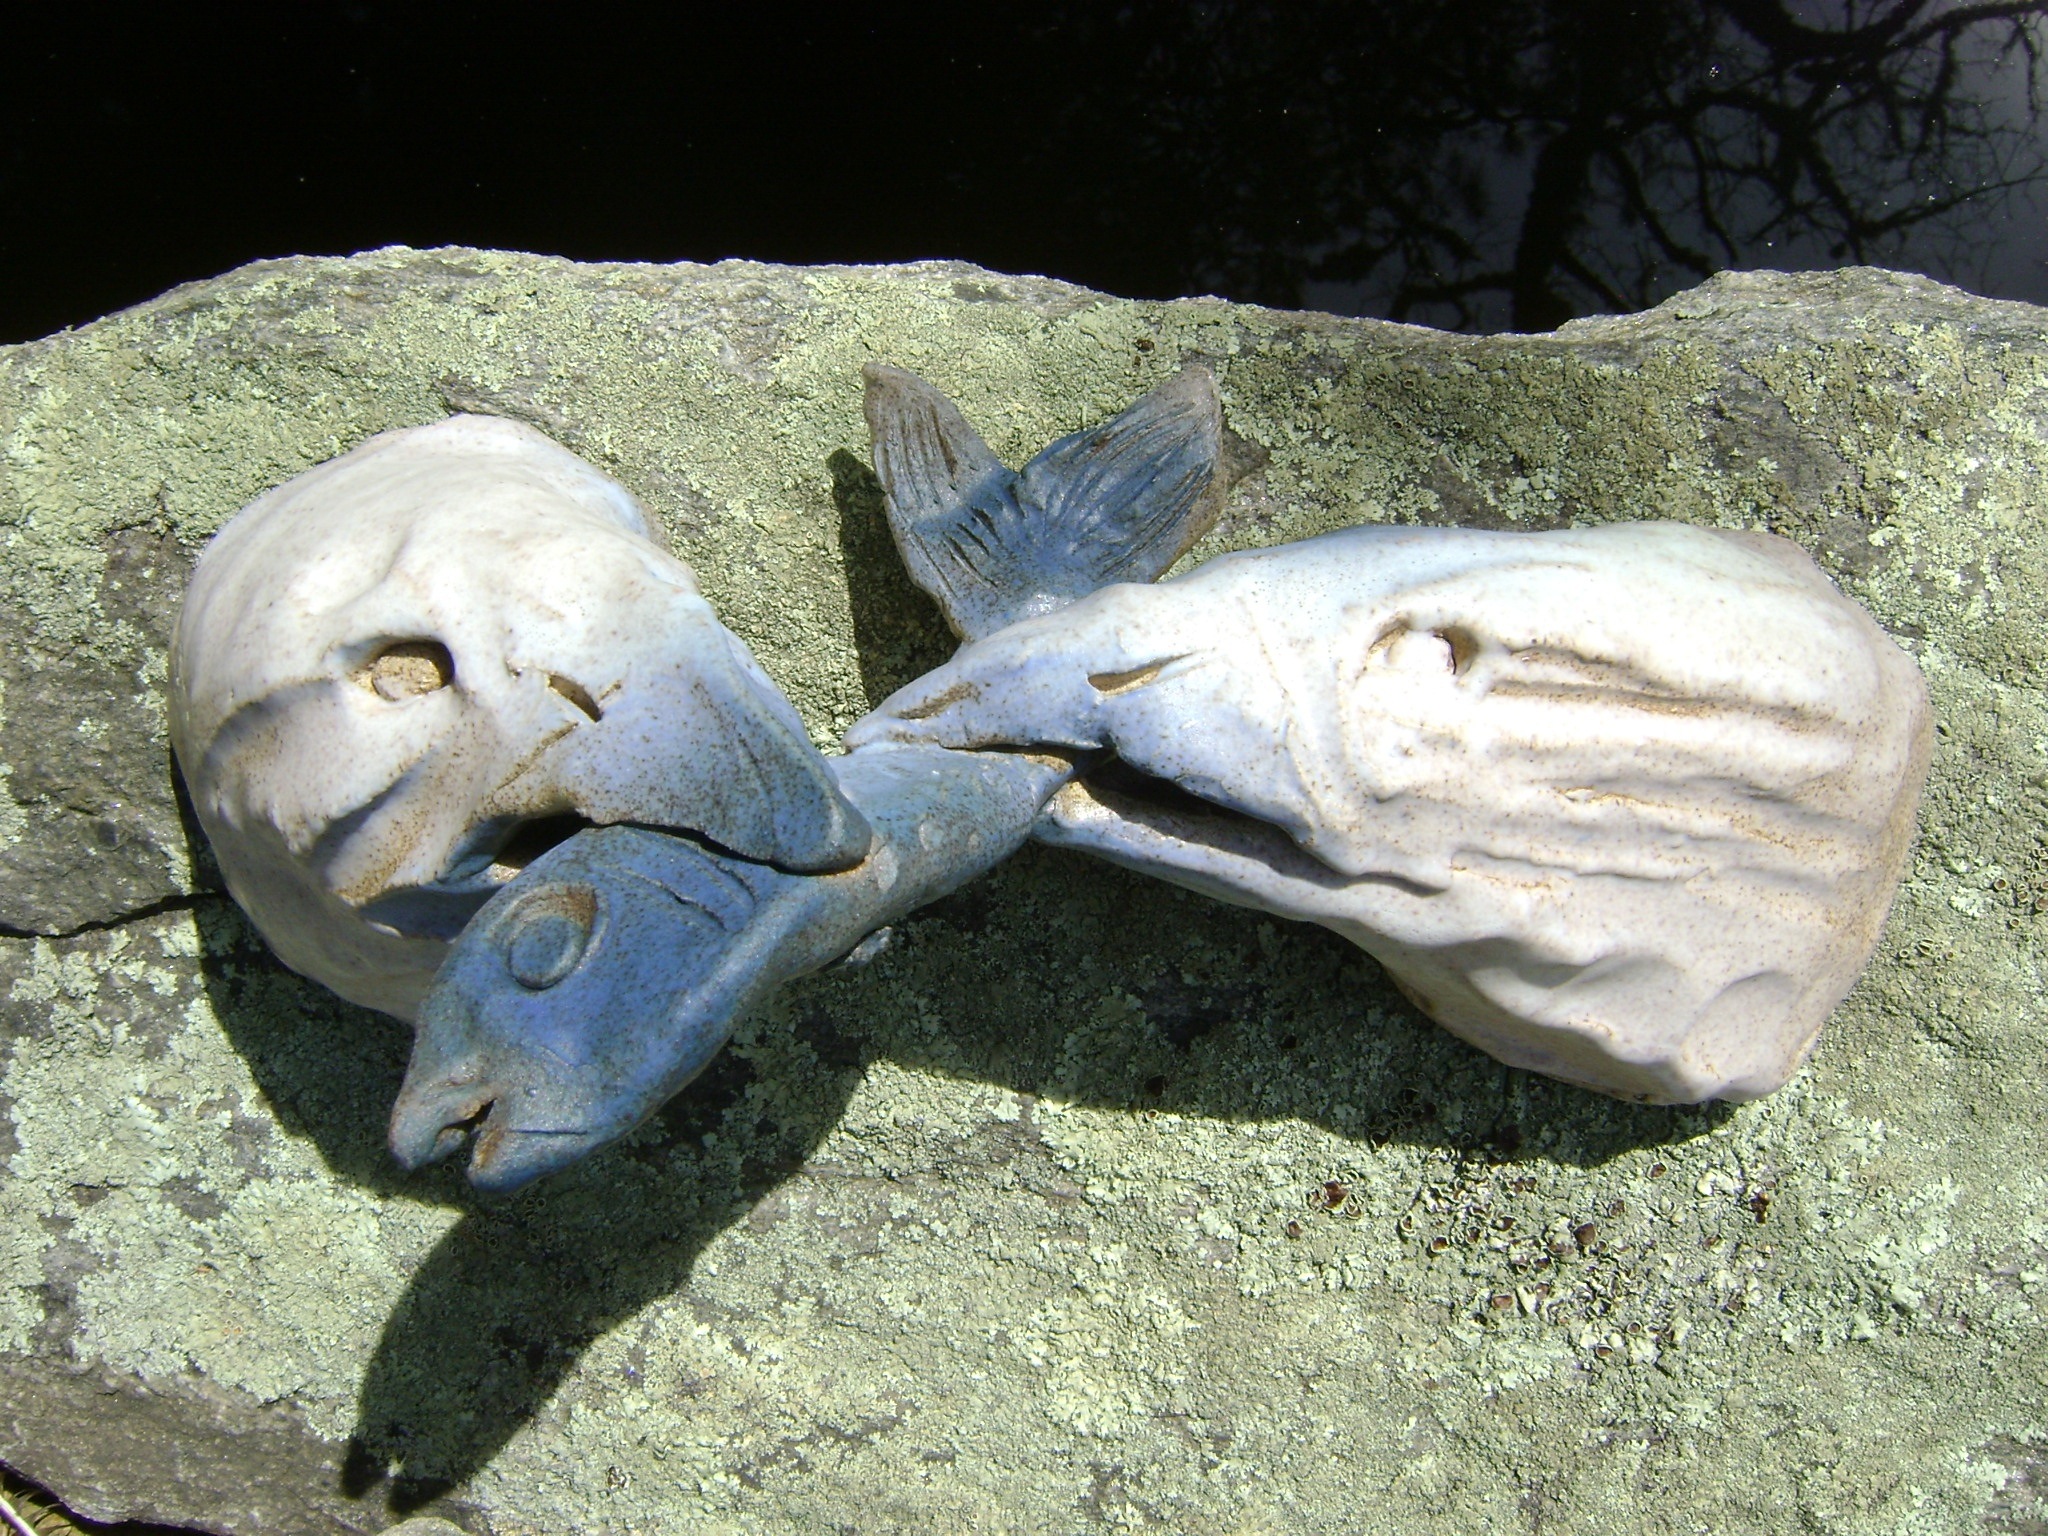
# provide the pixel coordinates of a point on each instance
(1120, 501)
(761, 788)
(952, 502)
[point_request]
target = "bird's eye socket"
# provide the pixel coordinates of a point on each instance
(408, 669)
(548, 933)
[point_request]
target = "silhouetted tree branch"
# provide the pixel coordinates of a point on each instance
(1525, 162)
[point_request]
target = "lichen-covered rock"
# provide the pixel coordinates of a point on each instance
(1086, 1204)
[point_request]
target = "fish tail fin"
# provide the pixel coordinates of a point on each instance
(1120, 501)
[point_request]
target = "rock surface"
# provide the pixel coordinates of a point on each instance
(1087, 1205)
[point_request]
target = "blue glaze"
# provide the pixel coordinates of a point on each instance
(1118, 502)
(598, 982)
(596, 985)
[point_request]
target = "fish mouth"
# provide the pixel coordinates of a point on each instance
(432, 1123)
(436, 1124)
(490, 856)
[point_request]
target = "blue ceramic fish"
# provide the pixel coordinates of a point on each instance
(596, 984)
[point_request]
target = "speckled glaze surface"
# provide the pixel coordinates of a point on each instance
(1624, 805)
(1087, 1204)
(388, 666)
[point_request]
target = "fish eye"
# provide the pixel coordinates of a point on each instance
(548, 933)
(407, 669)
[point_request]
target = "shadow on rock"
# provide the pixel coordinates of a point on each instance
(508, 1301)
(512, 1295)
(1062, 976)
(1075, 979)
(898, 633)
(1065, 977)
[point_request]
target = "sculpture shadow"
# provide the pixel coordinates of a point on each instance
(898, 632)
(1062, 976)
(511, 1295)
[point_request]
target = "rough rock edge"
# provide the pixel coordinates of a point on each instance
(194, 1449)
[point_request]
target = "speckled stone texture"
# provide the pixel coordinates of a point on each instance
(1088, 1205)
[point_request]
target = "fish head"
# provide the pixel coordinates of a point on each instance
(588, 991)
(398, 676)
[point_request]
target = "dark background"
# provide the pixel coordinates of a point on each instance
(1490, 164)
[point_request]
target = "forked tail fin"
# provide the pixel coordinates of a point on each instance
(1119, 502)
